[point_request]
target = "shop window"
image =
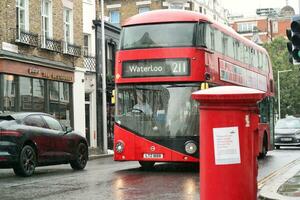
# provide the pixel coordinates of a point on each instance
(25, 87)
(9, 93)
(32, 92)
(38, 95)
(60, 101)
(110, 59)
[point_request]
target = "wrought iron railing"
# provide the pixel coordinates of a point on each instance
(27, 38)
(89, 63)
(36, 40)
(71, 49)
(51, 45)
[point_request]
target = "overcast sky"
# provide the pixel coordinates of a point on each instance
(248, 7)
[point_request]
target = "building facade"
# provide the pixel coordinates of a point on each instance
(89, 63)
(116, 11)
(41, 64)
(265, 26)
(112, 35)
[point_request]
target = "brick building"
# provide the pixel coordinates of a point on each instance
(268, 24)
(41, 64)
(116, 11)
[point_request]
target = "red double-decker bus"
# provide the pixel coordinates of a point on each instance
(164, 56)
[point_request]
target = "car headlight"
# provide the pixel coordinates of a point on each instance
(119, 147)
(190, 147)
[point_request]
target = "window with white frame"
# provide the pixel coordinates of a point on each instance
(46, 20)
(246, 27)
(179, 6)
(114, 17)
(68, 26)
(87, 44)
(22, 16)
(275, 26)
(144, 9)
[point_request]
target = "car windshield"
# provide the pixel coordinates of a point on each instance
(158, 35)
(158, 110)
(288, 124)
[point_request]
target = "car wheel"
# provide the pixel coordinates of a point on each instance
(81, 157)
(277, 147)
(26, 163)
(147, 165)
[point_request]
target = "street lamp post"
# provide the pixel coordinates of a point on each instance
(104, 109)
(278, 88)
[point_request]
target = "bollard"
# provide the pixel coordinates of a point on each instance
(228, 135)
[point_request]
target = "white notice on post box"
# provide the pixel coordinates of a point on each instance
(226, 145)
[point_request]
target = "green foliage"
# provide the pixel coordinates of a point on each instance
(289, 81)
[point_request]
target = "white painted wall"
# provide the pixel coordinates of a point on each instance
(90, 88)
(78, 101)
(89, 14)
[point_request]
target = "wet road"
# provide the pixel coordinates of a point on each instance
(105, 179)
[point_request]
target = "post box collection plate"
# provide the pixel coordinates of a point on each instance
(226, 145)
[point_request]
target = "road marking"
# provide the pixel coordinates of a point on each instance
(262, 182)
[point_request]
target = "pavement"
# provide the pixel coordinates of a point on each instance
(96, 153)
(283, 184)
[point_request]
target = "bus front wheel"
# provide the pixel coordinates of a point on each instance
(147, 165)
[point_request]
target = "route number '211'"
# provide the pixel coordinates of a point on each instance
(179, 67)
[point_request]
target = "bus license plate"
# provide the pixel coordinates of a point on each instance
(153, 155)
(286, 139)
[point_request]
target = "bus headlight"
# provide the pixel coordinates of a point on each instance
(190, 147)
(119, 146)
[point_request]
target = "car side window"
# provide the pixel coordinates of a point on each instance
(53, 123)
(34, 120)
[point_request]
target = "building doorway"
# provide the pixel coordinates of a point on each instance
(87, 119)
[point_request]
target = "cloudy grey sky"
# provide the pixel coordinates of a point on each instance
(248, 7)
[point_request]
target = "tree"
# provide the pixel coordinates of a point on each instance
(289, 81)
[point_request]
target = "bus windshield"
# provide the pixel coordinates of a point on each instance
(158, 35)
(158, 110)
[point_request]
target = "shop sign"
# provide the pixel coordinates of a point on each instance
(49, 75)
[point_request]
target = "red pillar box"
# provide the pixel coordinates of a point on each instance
(228, 135)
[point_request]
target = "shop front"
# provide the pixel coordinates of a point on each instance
(27, 87)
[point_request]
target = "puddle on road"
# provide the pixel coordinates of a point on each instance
(291, 187)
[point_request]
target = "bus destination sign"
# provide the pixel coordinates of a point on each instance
(156, 68)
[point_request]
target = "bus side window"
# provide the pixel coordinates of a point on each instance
(246, 54)
(225, 44)
(264, 110)
(201, 35)
(236, 46)
(241, 53)
(218, 41)
(212, 37)
(266, 63)
(230, 49)
(255, 59)
(207, 38)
